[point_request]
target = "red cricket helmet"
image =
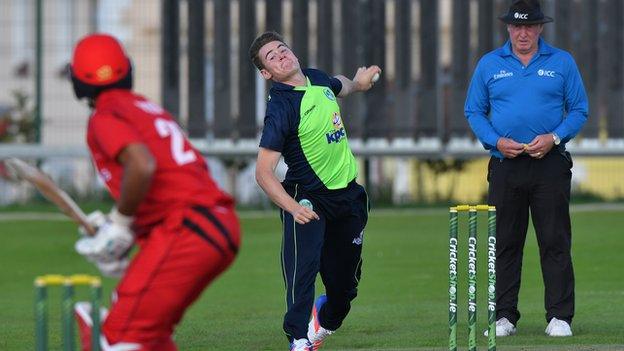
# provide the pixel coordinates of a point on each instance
(99, 63)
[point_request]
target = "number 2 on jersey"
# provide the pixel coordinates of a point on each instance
(167, 128)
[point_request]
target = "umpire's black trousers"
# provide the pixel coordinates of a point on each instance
(543, 186)
(332, 246)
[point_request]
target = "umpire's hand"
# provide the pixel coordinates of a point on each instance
(303, 215)
(540, 146)
(509, 147)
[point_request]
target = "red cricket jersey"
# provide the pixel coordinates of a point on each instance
(181, 178)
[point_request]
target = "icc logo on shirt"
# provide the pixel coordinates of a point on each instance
(542, 72)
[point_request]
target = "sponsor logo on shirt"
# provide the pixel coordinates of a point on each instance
(545, 73)
(503, 74)
(337, 121)
(519, 15)
(307, 112)
(329, 94)
(339, 131)
(149, 107)
(335, 137)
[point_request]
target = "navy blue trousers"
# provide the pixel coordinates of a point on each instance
(331, 246)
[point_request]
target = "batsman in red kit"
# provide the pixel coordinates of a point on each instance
(166, 202)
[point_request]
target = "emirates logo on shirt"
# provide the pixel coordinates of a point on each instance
(502, 74)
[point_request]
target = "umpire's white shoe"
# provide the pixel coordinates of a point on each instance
(503, 328)
(557, 327)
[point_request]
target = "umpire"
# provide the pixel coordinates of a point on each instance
(323, 209)
(525, 101)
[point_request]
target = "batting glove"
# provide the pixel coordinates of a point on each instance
(113, 269)
(96, 219)
(111, 242)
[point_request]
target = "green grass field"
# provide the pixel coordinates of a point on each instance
(402, 302)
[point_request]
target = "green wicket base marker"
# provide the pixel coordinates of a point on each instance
(472, 275)
(67, 309)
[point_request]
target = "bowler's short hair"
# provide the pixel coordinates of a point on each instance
(259, 42)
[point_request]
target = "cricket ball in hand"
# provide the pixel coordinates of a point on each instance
(375, 78)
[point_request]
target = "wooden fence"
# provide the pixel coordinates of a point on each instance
(427, 48)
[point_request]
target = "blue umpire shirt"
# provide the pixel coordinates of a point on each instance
(508, 99)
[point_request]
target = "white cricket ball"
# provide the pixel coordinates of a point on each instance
(375, 78)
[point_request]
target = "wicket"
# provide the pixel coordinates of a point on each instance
(67, 307)
(472, 275)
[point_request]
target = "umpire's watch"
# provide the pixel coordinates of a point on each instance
(556, 139)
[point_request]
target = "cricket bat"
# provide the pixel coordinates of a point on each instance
(46, 186)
